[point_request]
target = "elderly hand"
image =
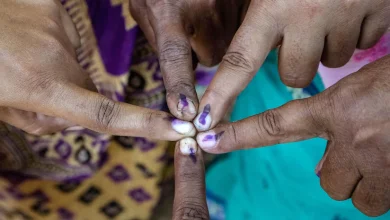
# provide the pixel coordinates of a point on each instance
(190, 190)
(307, 31)
(353, 115)
(43, 88)
(184, 32)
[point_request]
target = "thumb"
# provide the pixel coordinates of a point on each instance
(297, 120)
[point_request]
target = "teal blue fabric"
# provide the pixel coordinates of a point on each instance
(276, 182)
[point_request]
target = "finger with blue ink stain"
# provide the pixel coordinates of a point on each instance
(188, 147)
(203, 121)
(209, 140)
(186, 105)
(190, 195)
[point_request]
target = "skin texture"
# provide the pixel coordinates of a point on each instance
(190, 196)
(44, 89)
(353, 115)
(50, 91)
(184, 32)
(307, 31)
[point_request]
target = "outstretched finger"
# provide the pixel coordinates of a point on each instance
(190, 193)
(248, 50)
(175, 58)
(292, 122)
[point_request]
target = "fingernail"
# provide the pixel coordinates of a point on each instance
(188, 146)
(203, 120)
(186, 104)
(183, 127)
(318, 168)
(209, 140)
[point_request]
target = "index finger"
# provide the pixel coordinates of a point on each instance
(297, 120)
(99, 113)
(190, 193)
(175, 56)
(247, 52)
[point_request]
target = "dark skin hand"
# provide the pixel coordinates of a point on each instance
(43, 89)
(190, 195)
(353, 115)
(184, 33)
(307, 31)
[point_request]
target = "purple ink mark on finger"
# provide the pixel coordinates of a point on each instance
(206, 111)
(213, 137)
(183, 100)
(192, 155)
(177, 122)
(318, 173)
(170, 118)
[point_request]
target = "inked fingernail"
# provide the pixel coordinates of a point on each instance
(319, 167)
(185, 104)
(188, 146)
(209, 139)
(183, 127)
(203, 120)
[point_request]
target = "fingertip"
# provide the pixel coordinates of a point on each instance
(183, 127)
(203, 121)
(186, 106)
(182, 107)
(209, 140)
(188, 146)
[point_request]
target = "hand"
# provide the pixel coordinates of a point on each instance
(183, 32)
(307, 31)
(353, 115)
(190, 190)
(44, 89)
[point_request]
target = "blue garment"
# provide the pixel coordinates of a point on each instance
(275, 183)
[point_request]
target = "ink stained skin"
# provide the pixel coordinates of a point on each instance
(213, 137)
(205, 113)
(192, 155)
(183, 100)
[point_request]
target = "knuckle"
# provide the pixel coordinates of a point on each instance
(106, 113)
(148, 123)
(190, 176)
(191, 210)
(296, 80)
(270, 122)
(174, 53)
(233, 134)
(177, 84)
(238, 61)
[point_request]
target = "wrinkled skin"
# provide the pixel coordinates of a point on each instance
(184, 33)
(48, 87)
(306, 32)
(353, 115)
(43, 87)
